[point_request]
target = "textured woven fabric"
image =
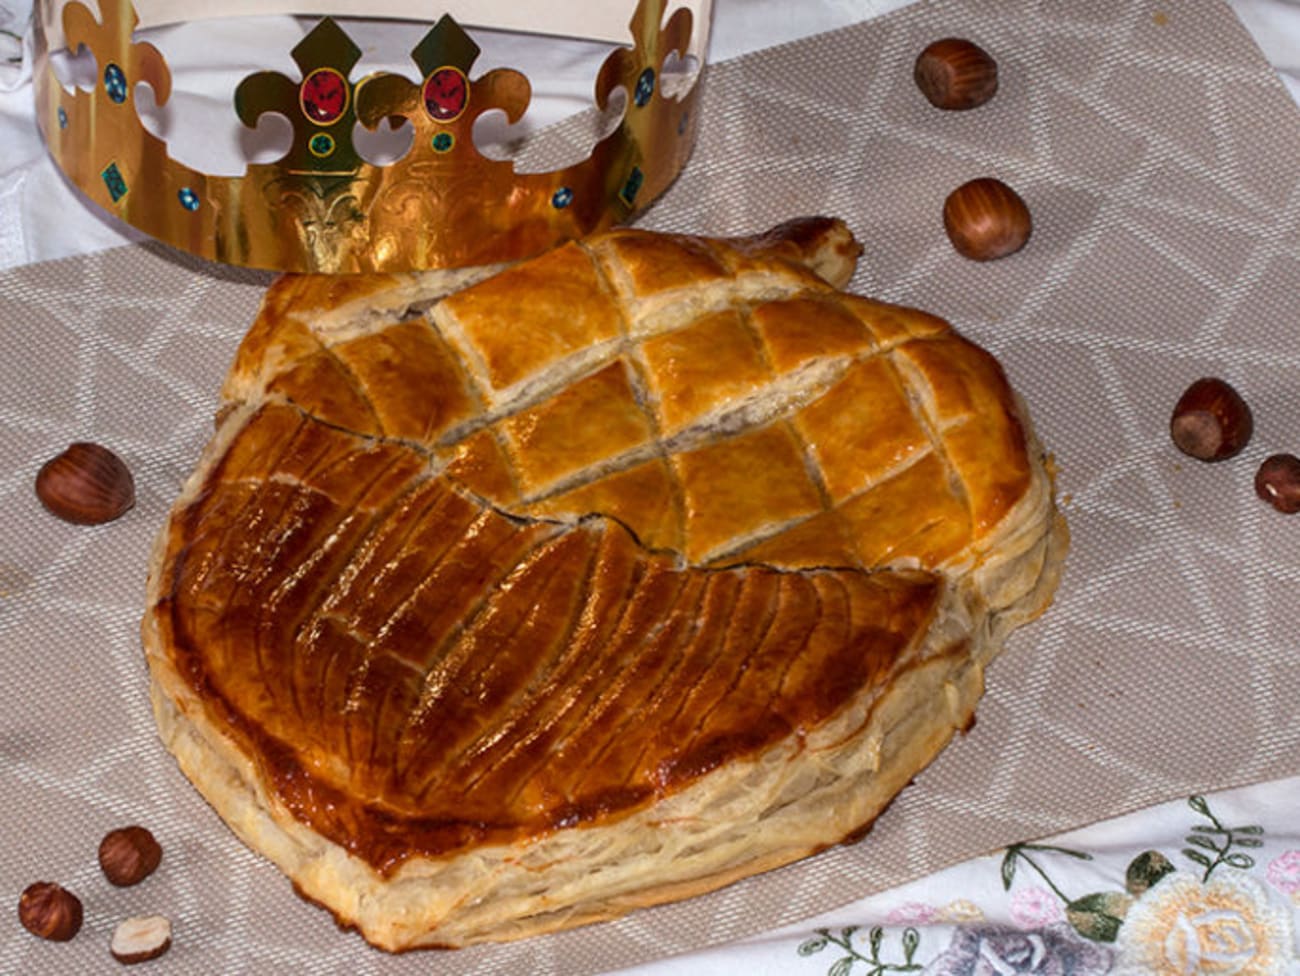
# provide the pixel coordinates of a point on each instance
(1156, 150)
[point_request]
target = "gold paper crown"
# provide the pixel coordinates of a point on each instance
(322, 207)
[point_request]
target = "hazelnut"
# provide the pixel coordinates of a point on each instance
(50, 911)
(86, 484)
(986, 219)
(1278, 482)
(955, 74)
(1211, 421)
(128, 855)
(141, 938)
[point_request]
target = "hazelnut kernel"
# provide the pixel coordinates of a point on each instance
(1211, 421)
(49, 910)
(955, 74)
(128, 855)
(141, 938)
(1277, 481)
(87, 484)
(986, 220)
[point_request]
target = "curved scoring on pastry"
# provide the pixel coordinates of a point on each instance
(503, 604)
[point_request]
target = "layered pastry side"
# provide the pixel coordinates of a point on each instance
(512, 600)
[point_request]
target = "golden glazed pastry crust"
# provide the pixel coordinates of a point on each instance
(505, 602)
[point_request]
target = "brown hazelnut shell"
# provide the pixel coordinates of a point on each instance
(128, 855)
(48, 910)
(1211, 421)
(1277, 481)
(87, 484)
(985, 219)
(955, 74)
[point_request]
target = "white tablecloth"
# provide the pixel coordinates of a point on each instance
(1229, 897)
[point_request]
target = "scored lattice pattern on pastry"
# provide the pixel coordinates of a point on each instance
(723, 404)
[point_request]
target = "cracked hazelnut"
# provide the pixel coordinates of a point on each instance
(1277, 481)
(1211, 422)
(128, 855)
(86, 484)
(955, 74)
(141, 938)
(50, 911)
(986, 220)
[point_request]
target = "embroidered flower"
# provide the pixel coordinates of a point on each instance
(1183, 926)
(1005, 951)
(1284, 872)
(912, 913)
(1034, 906)
(960, 912)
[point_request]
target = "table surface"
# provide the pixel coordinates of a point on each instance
(1072, 904)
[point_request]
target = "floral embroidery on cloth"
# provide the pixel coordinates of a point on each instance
(1006, 951)
(1284, 874)
(1205, 916)
(1184, 926)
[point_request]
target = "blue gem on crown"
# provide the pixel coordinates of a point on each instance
(645, 88)
(114, 182)
(115, 83)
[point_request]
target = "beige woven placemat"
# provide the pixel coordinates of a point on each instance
(1158, 154)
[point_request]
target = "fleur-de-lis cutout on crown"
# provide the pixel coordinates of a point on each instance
(124, 61)
(444, 104)
(321, 107)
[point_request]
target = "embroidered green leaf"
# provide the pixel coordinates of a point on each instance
(1225, 839)
(1009, 868)
(841, 967)
(874, 938)
(1098, 916)
(812, 946)
(1147, 868)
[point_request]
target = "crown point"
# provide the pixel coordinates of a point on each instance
(445, 44)
(326, 44)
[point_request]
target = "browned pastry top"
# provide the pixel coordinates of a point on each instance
(559, 544)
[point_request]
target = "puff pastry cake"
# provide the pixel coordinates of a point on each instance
(511, 601)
